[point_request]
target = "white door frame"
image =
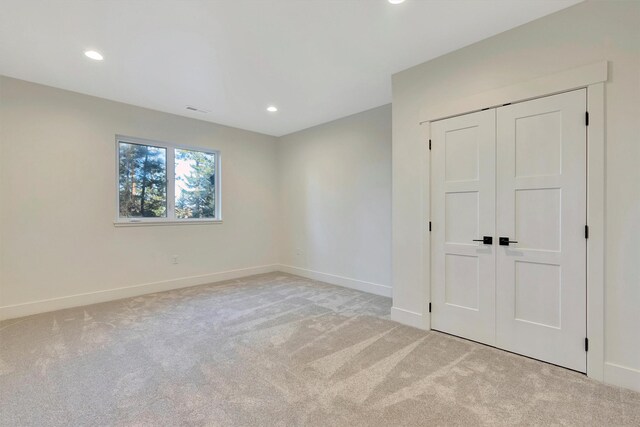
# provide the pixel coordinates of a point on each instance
(592, 77)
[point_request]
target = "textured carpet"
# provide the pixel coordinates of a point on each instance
(277, 350)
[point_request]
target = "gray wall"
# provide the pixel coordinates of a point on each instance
(325, 191)
(58, 192)
(335, 199)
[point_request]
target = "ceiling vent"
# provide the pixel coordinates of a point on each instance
(199, 110)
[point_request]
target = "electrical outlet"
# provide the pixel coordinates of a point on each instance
(174, 259)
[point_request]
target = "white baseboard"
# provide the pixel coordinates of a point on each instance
(43, 306)
(360, 285)
(622, 376)
(409, 318)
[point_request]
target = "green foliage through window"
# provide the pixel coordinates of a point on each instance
(142, 181)
(195, 184)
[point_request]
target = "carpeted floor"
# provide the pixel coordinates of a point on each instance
(276, 350)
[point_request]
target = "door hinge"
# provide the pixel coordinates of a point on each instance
(586, 231)
(429, 225)
(586, 344)
(429, 144)
(429, 307)
(586, 118)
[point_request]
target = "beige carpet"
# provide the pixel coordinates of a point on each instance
(276, 350)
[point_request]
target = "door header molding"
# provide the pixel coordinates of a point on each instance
(574, 78)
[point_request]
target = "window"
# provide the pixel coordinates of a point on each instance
(164, 183)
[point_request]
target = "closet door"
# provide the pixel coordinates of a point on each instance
(541, 209)
(463, 211)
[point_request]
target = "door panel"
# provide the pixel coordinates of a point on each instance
(463, 200)
(541, 204)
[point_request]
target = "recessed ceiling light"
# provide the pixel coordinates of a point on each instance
(93, 55)
(396, 1)
(272, 108)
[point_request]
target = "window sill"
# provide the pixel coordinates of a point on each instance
(167, 222)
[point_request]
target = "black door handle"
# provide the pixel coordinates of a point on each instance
(504, 241)
(486, 240)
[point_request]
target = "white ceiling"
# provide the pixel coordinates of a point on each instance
(317, 60)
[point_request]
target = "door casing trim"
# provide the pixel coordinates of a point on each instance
(593, 78)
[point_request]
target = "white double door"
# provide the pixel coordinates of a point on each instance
(517, 174)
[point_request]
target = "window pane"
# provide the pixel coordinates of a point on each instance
(195, 184)
(143, 180)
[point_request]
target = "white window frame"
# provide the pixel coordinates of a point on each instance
(170, 219)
